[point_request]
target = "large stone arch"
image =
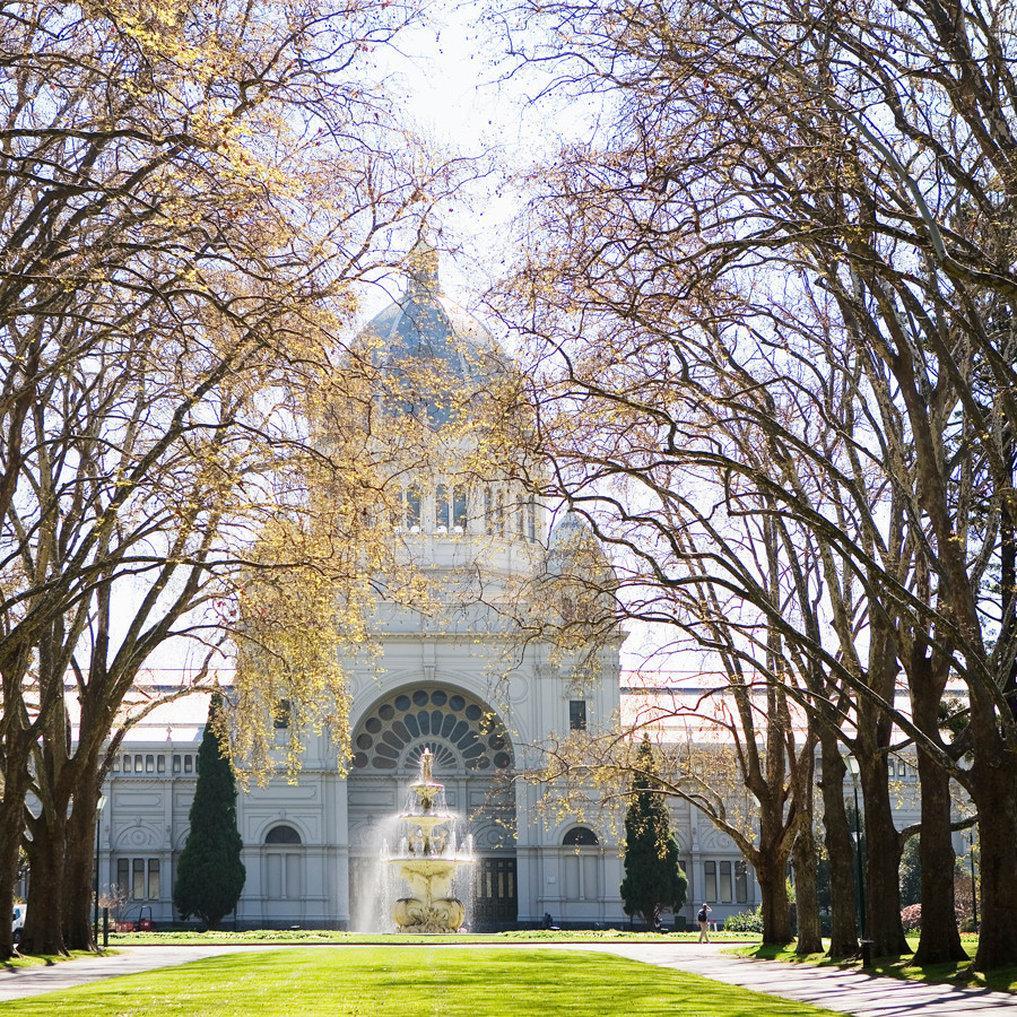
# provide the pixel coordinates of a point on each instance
(473, 756)
(461, 730)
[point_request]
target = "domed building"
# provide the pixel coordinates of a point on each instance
(456, 680)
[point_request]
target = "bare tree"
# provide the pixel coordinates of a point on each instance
(188, 198)
(781, 152)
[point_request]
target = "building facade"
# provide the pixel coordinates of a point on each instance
(457, 681)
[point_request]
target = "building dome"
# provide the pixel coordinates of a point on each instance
(574, 552)
(431, 351)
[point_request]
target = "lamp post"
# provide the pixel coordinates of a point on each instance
(974, 892)
(853, 768)
(99, 805)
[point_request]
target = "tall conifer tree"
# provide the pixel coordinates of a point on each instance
(210, 874)
(653, 878)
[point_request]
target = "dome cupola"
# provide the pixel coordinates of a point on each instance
(431, 352)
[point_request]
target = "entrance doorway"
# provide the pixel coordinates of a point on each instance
(496, 900)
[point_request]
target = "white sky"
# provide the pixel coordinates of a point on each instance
(449, 76)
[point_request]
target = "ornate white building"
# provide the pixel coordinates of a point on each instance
(441, 682)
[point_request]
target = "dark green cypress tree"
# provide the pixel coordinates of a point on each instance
(653, 878)
(210, 874)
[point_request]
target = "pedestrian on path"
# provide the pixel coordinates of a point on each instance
(704, 923)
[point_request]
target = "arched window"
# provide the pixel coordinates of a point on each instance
(282, 835)
(580, 836)
(284, 864)
(488, 512)
(413, 510)
(459, 509)
(441, 506)
(581, 875)
(393, 734)
(281, 715)
(531, 518)
(500, 513)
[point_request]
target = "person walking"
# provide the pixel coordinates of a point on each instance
(704, 922)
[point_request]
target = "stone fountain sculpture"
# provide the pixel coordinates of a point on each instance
(428, 859)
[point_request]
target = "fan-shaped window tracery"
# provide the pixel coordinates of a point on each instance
(580, 836)
(460, 732)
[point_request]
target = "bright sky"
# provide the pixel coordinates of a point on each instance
(448, 75)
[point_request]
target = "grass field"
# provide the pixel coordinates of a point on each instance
(1004, 979)
(369, 982)
(345, 938)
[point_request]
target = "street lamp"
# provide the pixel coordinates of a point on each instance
(853, 768)
(99, 805)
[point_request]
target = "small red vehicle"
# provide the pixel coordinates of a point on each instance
(141, 922)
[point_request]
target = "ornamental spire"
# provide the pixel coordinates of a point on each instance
(423, 266)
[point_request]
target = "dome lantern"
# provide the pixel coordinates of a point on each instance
(427, 341)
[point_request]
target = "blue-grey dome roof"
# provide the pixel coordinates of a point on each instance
(572, 540)
(424, 330)
(569, 529)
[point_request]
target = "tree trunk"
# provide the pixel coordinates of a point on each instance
(837, 838)
(994, 790)
(882, 861)
(11, 822)
(771, 872)
(46, 859)
(939, 942)
(806, 860)
(79, 880)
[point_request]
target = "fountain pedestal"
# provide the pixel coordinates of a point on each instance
(428, 859)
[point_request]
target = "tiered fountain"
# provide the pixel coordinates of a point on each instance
(429, 859)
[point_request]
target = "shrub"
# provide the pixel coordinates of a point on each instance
(210, 874)
(654, 879)
(745, 921)
(911, 917)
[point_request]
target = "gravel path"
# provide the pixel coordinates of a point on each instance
(128, 960)
(848, 992)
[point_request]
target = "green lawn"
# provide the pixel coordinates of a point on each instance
(371, 982)
(1004, 979)
(345, 938)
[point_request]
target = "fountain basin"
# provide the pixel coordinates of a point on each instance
(429, 865)
(427, 859)
(446, 914)
(427, 821)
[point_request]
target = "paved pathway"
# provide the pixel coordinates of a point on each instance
(844, 991)
(127, 961)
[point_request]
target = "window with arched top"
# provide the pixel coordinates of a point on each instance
(581, 877)
(441, 509)
(284, 864)
(413, 509)
(282, 835)
(580, 836)
(460, 506)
